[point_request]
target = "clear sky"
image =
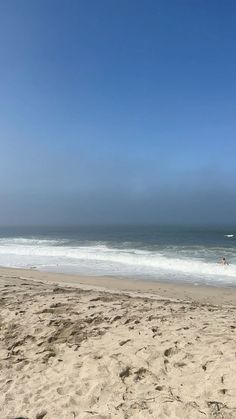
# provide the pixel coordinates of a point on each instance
(117, 111)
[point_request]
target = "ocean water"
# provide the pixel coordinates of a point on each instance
(188, 254)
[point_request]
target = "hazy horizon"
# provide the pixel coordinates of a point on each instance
(117, 113)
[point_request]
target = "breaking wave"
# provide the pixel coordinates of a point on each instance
(170, 263)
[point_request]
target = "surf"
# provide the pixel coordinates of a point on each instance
(97, 258)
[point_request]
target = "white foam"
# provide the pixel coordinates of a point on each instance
(25, 241)
(100, 259)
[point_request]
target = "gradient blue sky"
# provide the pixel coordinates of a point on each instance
(117, 111)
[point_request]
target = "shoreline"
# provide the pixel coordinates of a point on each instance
(168, 290)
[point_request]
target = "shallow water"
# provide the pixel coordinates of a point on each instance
(143, 252)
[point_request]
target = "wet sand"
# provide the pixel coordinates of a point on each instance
(77, 347)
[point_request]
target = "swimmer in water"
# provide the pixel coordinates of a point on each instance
(223, 262)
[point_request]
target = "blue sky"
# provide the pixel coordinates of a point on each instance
(117, 111)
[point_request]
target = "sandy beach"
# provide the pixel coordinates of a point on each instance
(77, 347)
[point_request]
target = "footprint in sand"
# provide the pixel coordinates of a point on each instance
(170, 351)
(61, 391)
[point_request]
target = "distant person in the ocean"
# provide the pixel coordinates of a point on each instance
(223, 262)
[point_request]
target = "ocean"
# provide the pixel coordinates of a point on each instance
(151, 253)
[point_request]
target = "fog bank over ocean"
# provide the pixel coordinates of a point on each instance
(120, 205)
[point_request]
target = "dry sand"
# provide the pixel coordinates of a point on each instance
(134, 351)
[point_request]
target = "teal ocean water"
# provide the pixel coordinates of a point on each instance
(170, 253)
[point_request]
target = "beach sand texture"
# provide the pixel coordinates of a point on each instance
(70, 352)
